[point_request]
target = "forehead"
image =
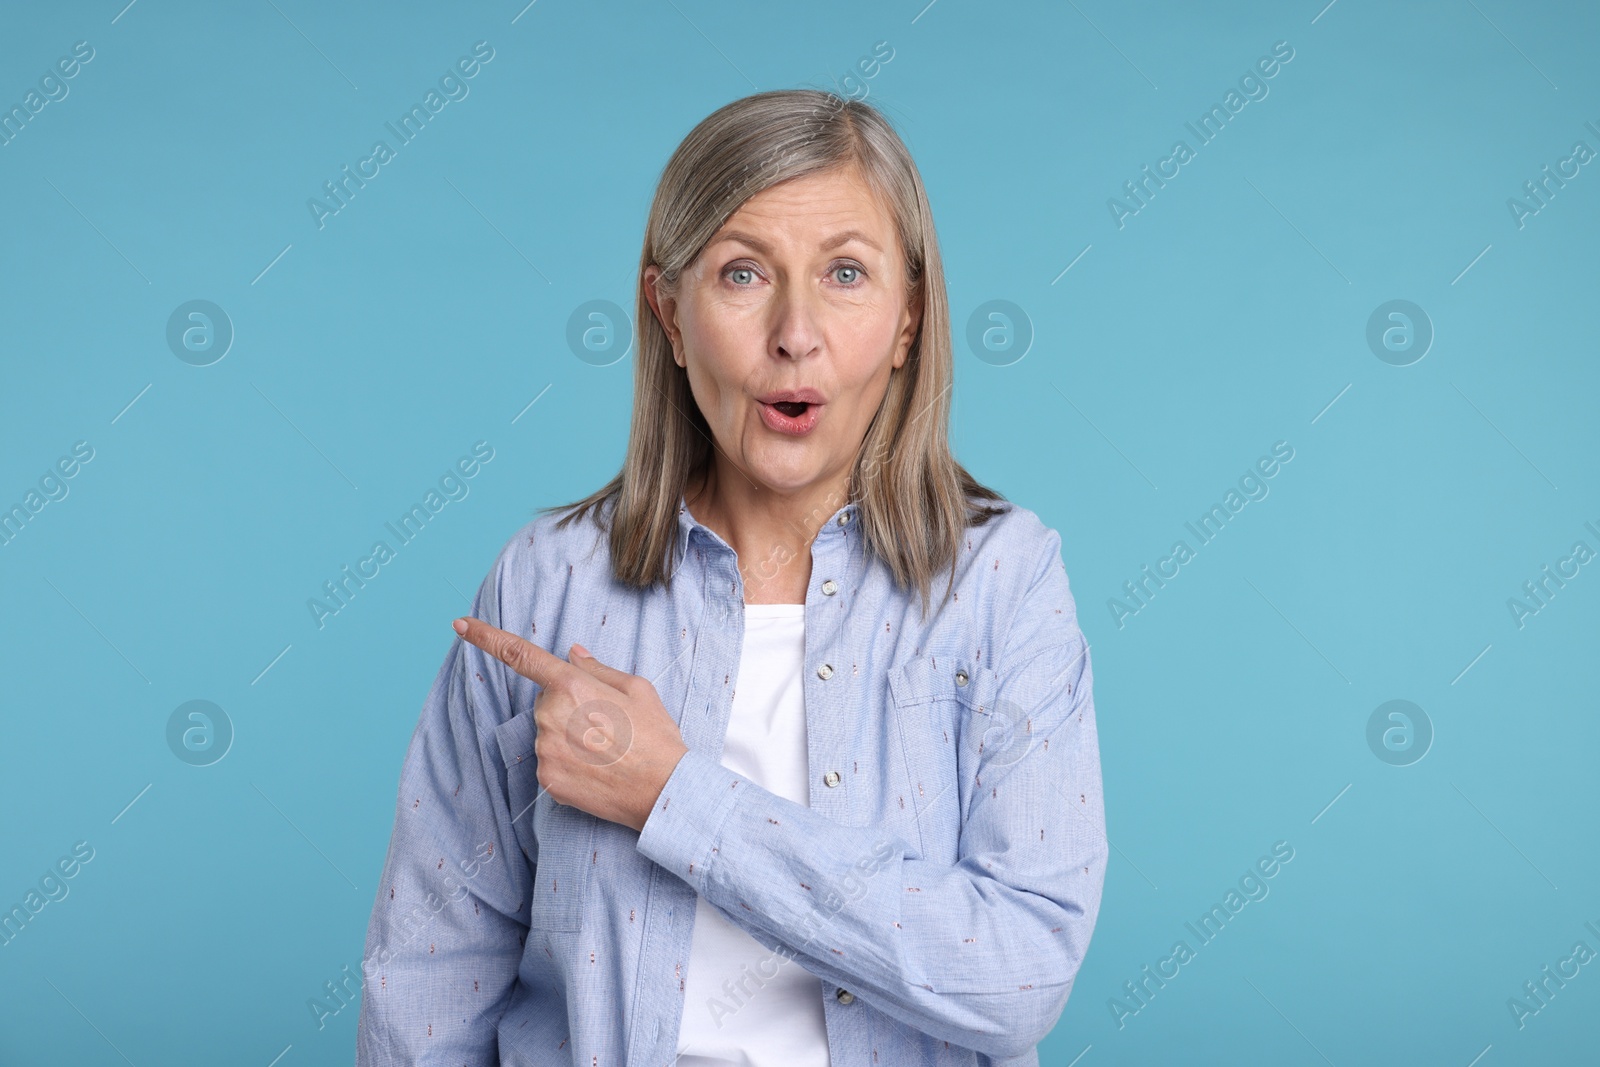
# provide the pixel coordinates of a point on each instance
(806, 210)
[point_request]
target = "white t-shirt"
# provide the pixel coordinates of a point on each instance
(775, 1018)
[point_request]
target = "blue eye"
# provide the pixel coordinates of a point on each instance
(856, 272)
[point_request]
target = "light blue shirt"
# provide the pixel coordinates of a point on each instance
(942, 884)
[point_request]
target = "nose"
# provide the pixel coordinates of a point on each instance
(795, 330)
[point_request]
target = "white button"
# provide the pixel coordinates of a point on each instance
(844, 996)
(844, 520)
(961, 677)
(825, 672)
(830, 779)
(829, 587)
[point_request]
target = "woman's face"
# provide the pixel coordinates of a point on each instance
(801, 290)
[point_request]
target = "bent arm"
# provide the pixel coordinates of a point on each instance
(982, 952)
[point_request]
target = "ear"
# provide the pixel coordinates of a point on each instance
(912, 319)
(666, 310)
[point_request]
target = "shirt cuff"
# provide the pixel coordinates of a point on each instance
(681, 830)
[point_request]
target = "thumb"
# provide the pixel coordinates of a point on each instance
(581, 657)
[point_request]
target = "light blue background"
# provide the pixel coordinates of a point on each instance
(1228, 314)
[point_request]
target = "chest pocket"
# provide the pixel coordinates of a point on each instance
(943, 704)
(558, 837)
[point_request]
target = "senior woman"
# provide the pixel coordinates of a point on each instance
(713, 777)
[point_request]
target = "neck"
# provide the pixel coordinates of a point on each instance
(770, 532)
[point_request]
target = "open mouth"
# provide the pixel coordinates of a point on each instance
(793, 417)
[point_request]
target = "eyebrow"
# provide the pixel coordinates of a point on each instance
(835, 241)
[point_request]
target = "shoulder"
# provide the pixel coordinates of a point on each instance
(1018, 541)
(1015, 563)
(544, 553)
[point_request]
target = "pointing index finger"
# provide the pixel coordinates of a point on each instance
(522, 656)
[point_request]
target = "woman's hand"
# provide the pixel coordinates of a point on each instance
(603, 741)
